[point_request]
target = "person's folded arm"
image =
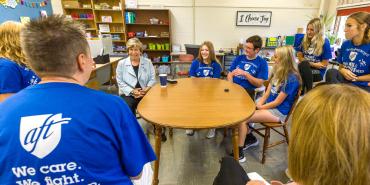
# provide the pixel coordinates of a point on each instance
(362, 78)
(126, 88)
(279, 99)
(253, 80)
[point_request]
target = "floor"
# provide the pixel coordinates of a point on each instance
(194, 160)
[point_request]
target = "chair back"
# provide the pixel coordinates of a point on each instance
(192, 49)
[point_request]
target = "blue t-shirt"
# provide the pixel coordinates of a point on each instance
(200, 69)
(311, 57)
(64, 132)
(290, 87)
(14, 77)
(356, 59)
(257, 68)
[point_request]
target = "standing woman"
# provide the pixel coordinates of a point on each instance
(354, 55)
(135, 75)
(205, 66)
(15, 74)
(313, 54)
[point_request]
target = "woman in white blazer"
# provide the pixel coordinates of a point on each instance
(135, 75)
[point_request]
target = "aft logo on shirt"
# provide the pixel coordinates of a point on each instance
(40, 134)
(352, 55)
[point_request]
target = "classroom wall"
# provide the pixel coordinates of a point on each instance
(7, 13)
(194, 21)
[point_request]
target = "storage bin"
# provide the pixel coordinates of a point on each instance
(165, 58)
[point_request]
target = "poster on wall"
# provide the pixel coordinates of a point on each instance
(253, 18)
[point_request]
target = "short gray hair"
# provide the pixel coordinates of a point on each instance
(133, 43)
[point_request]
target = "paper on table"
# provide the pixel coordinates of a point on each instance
(256, 176)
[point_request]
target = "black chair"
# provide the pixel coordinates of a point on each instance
(192, 49)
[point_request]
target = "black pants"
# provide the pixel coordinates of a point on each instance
(307, 75)
(131, 102)
(231, 173)
(333, 76)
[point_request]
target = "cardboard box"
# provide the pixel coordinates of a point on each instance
(71, 4)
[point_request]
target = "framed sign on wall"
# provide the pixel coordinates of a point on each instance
(253, 18)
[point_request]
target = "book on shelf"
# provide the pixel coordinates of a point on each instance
(104, 28)
(106, 18)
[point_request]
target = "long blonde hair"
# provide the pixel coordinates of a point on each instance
(318, 39)
(286, 65)
(330, 137)
(212, 55)
(10, 45)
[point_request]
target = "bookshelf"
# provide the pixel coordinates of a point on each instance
(156, 24)
(109, 16)
(82, 11)
(104, 16)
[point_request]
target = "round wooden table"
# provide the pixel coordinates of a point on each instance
(195, 103)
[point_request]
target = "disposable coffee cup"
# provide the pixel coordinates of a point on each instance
(163, 80)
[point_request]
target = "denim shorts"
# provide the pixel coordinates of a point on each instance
(278, 114)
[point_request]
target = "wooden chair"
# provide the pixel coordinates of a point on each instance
(268, 126)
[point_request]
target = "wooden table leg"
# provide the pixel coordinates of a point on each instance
(158, 135)
(236, 143)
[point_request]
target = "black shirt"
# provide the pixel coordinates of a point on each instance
(136, 69)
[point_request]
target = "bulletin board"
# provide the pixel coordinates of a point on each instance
(14, 9)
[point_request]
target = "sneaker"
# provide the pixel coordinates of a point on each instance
(189, 132)
(242, 158)
(250, 141)
(211, 133)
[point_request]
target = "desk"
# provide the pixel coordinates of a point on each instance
(195, 103)
(103, 73)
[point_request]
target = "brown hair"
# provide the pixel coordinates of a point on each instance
(10, 44)
(53, 44)
(318, 39)
(330, 134)
(256, 41)
(363, 18)
(212, 55)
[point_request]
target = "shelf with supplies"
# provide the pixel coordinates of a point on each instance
(147, 24)
(109, 15)
(81, 11)
(107, 10)
(152, 27)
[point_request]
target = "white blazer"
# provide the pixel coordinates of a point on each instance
(126, 77)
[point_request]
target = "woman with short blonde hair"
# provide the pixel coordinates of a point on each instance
(330, 137)
(13, 66)
(135, 74)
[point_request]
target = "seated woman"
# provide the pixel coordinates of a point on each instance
(354, 55)
(313, 54)
(135, 75)
(15, 74)
(276, 103)
(205, 66)
(330, 137)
